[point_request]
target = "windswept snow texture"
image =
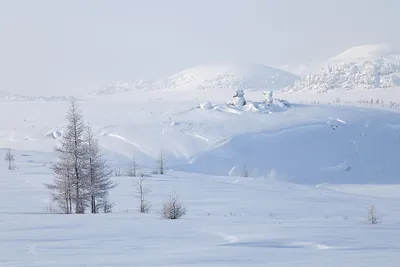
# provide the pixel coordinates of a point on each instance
(230, 222)
(212, 77)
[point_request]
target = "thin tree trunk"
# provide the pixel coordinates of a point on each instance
(66, 202)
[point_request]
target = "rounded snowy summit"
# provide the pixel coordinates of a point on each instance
(229, 76)
(366, 52)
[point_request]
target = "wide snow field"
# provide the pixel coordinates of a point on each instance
(314, 171)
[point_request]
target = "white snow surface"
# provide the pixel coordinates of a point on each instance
(217, 76)
(313, 172)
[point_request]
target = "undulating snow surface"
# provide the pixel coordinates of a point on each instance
(212, 77)
(313, 170)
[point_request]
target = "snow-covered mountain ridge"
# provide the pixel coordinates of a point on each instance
(210, 77)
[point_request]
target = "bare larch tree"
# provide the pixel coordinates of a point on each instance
(70, 186)
(133, 168)
(144, 204)
(98, 174)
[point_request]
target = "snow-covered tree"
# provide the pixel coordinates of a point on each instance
(10, 159)
(98, 174)
(368, 74)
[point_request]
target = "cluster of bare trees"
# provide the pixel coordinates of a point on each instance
(172, 208)
(82, 178)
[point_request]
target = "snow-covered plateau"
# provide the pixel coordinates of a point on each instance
(270, 183)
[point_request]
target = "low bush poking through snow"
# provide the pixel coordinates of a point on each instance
(173, 209)
(373, 217)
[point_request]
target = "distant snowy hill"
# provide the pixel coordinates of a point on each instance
(366, 52)
(214, 76)
(370, 66)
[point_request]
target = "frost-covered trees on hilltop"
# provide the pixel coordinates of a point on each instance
(81, 176)
(351, 75)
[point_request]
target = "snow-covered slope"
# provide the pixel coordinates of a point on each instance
(370, 66)
(212, 77)
(301, 143)
(229, 76)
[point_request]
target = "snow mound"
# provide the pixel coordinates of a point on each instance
(206, 105)
(210, 77)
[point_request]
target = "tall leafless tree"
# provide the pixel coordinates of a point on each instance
(70, 181)
(98, 174)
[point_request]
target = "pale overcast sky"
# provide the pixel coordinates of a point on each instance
(63, 47)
